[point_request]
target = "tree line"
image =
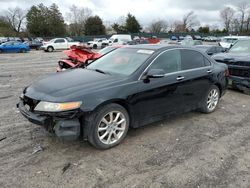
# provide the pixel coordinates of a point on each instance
(44, 21)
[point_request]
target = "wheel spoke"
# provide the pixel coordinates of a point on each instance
(117, 116)
(111, 117)
(120, 128)
(105, 121)
(109, 137)
(121, 121)
(102, 128)
(115, 136)
(104, 135)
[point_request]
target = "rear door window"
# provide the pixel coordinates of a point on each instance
(59, 41)
(191, 59)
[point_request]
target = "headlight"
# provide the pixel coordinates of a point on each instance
(57, 107)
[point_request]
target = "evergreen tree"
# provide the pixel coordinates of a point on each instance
(44, 21)
(132, 25)
(94, 26)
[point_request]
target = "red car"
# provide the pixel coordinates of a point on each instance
(78, 56)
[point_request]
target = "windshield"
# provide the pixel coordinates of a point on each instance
(241, 47)
(106, 50)
(229, 40)
(122, 61)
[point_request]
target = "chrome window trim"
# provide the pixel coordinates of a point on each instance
(182, 71)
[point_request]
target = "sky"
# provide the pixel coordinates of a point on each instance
(146, 11)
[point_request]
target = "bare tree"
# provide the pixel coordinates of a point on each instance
(189, 21)
(158, 26)
(77, 18)
(16, 17)
(248, 21)
(227, 15)
(242, 8)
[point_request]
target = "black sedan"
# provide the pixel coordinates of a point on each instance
(210, 49)
(129, 87)
(238, 61)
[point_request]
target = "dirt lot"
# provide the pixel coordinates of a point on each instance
(191, 150)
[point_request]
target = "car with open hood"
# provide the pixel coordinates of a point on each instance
(126, 88)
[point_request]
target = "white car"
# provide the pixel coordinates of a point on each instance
(58, 44)
(229, 41)
(120, 39)
(97, 43)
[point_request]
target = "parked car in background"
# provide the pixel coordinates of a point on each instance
(238, 61)
(34, 44)
(173, 38)
(229, 41)
(119, 39)
(3, 40)
(80, 57)
(14, 46)
(197, 37)
(188, 37)
(190, 42)
(97, 43)
(39, 39)
(128, 87)
(210, 49)
(210, 39)
(59, 44)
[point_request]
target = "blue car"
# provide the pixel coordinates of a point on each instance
(14, 46)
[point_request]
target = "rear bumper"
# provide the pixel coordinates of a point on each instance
(66, 128)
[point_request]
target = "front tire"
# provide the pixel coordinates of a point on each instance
(107, 126)
(22, 50)
(211, 100)
(50, 49)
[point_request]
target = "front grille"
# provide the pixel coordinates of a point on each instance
(239, 72)
(237, 68)
(30, 102)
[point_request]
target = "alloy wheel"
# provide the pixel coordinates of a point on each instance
(112, 127)
(213, 99)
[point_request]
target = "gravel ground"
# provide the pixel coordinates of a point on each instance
(190, 150)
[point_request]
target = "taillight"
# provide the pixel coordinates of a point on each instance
(227, 73)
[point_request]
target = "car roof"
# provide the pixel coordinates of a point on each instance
(153, 46)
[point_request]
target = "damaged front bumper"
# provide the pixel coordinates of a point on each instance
(65, 125)
(240, 83)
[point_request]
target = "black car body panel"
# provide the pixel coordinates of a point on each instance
(239, 68)
(146, 100)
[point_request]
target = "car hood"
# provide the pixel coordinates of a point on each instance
(71, 85)
(232, 57)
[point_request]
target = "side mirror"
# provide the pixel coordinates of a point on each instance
(155, 73)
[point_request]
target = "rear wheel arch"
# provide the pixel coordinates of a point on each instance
(220, 87)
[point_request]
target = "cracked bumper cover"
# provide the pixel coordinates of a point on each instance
(239, 82)
(66, 128)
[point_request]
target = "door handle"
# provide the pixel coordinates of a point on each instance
(209, 71)
(179, 78)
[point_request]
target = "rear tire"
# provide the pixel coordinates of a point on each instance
(107, 126)
(211, 100)
(94, 46)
